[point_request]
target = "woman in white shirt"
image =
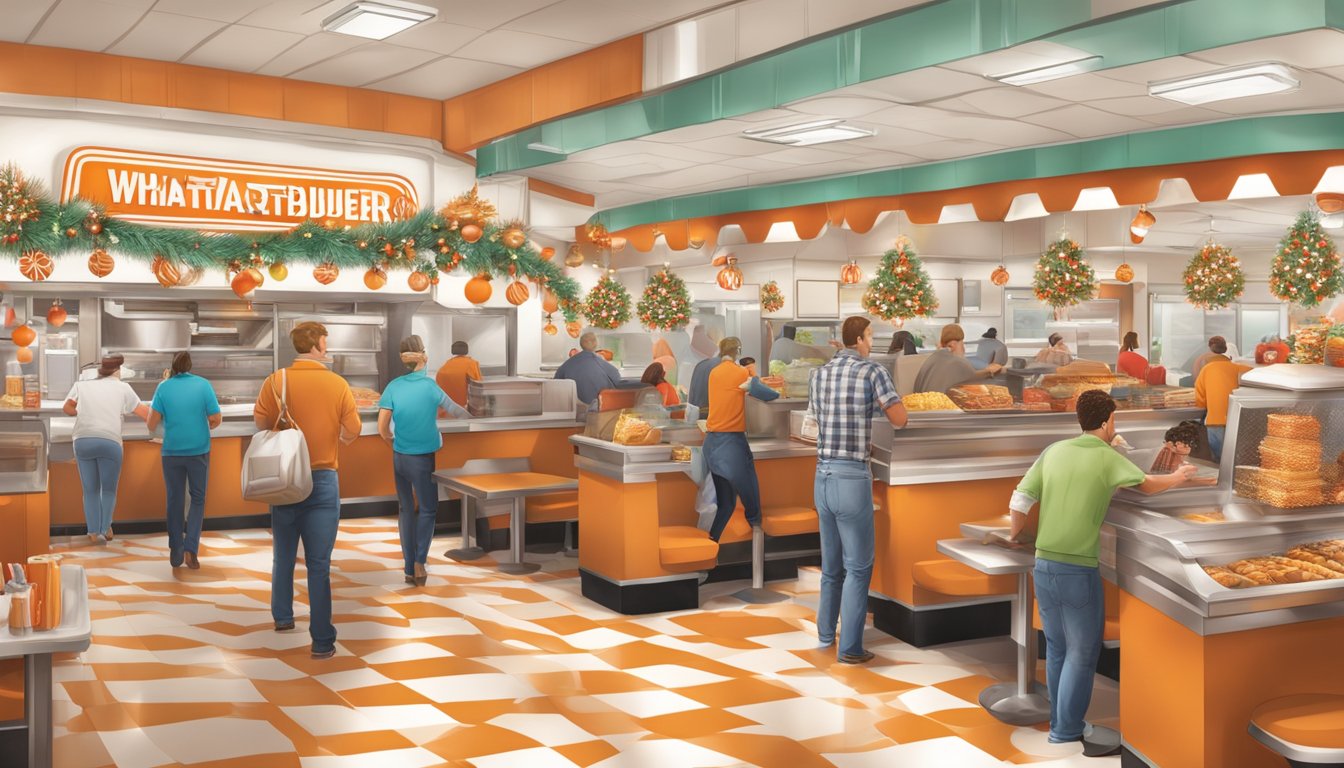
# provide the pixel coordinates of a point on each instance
(98, 406)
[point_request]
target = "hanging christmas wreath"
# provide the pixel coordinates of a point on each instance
(1306, 269)
(665, 305)
(901, 289)
(772, 299)
(1214, 277)
(465, 234)
(1063, 276)
(608, 304)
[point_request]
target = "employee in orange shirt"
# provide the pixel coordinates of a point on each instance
(452, 377)
(727, 454)
(320, 404)
(1217, 378)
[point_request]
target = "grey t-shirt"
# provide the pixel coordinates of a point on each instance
(942, 371)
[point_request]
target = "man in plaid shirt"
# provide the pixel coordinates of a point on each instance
(845, 395)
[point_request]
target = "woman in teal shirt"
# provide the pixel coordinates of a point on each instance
(408, 420)
(188, 409)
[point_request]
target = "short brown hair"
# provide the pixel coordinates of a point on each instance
(853, 329)
(1218, 345)
(1094, 409)
(181, 362)
(951, 332)
(306, 335)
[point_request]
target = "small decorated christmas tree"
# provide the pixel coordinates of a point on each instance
(18, 204)
(1306, 269)
(1214, 278)
(901, 288)
(772, 299)
(1063, 276)
(665, 305)
(608, 304)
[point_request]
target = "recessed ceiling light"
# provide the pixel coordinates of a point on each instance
(1233, 83)
(377, 20)
(1049, 72)
(809, 133)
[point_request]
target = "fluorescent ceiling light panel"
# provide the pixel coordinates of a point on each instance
(1096, 199)
(809, 133)
(377, 20)
(957, 214)
(1049, 72)
(1252, 185)
(1234, 83)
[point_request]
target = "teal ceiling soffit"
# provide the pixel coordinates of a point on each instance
(1196, 143)
(925, 36)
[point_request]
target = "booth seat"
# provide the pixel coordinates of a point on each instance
(553, 508)
(949, 577)
(684, 548)
(1306, 729)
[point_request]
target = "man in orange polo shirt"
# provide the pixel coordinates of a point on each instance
(321, 405)
(727, 454)
(453, 376)
(1217, 378)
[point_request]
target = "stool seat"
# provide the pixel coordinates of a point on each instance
(1307, 729)
(788, 521)
(553, 508)
(684, 548)
(949, 577)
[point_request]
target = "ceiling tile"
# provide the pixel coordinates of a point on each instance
(1161, 69)
(1003, 101)
(715, 129)
(889, 138)
(766, 25)
(1031, 55)
(436, 36)
(840, 106)
(241, 48)
(165, 36)
(804, 155)
(1317, 91)
(943, 150)
(518, 49)
(651, 149)
(700, 174)
(89, 25)
(230, 11)
(768, 114)
(1085, 122)
(1088, 86)
(446, 77)
(586, 21)
(1309, 50)
(21, 16)
(309, 51)
(1180, 115)
(753, 163)
(662, 11)
(923, 85)
(825, 15)
(1135, 106)
(366, 64)
(300, 16)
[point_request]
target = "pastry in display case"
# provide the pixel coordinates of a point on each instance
(929, 401)
(981, 397)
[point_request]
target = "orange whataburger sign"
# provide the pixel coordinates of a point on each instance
(176, 190)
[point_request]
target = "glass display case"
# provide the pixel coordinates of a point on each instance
(23, 455)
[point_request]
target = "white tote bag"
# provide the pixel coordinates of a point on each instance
(276, 468)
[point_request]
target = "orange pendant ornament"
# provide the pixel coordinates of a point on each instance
(246, 281)
(326, 273)
(478, 289)
(56, 315)
(573, 329)
(166, 272)
(730, 277)
(101, 263)
(23, 335)
(278, 271)
(35, 265)
(471, 233)
(516, 293)
(418, 281)
(1124, 273)
(375, 278)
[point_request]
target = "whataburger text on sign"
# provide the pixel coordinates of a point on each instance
(176, 190)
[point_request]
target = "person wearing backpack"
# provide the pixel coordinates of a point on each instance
(188, 409)
(319, 404)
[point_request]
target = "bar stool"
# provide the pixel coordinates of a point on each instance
(775, 522)
(1306, 729)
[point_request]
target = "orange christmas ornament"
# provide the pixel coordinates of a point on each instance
(35, 265)
(326, 273)
(418, 281)
(24, 355)
(1124, 273)
(549, 303)
(730, 277)
(550, 329)
(246, 281)
(478, 289)
(547, 253)
(375, 278)
(516, 293)
(278, 271)
(165, 271)
(573, 329)
(574, 258)
(851, 274)
(100, 263)
(471, 233)
(999, 276)
(23, 335)
(56, 315)
(513, 237)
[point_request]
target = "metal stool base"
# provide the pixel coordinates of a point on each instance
(519, 569)
(759, 596)
(465, 555)
(1007, 706)
(1098, 741)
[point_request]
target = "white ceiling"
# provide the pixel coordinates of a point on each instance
(944, 112)
(469, 45)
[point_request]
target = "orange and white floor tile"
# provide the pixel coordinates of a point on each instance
(494, 671)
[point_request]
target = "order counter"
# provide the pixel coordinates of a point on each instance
(1199, 655)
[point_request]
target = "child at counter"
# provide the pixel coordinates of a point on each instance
(1177, 443)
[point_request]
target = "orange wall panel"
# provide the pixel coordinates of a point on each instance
(412, 116)
(316, 103)
(367, 109)
(256, 96)
(200, 88)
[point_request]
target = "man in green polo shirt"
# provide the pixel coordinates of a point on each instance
(1073, 481)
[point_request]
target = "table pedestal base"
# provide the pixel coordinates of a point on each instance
(518, 569)
(465, 554)
(1098, 740)
(1008, 706)
(759, 596)
(757, 593)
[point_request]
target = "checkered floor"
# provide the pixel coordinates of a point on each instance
(487, 670)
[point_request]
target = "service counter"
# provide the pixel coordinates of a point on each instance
(639, 548)
(945, 469)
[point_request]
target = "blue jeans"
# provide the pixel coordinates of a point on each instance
(843, 493)
(1073, 615)
(734, 471)
(99, 461)
(185, 473)
(1216, 437)
(314, 520)
(418, 504)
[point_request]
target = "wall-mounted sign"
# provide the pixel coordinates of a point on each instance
(203, 193)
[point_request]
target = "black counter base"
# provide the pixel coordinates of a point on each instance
(935, 626)
(636, 599)
(14, 744)
(1108, 663)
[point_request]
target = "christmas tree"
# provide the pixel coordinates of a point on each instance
(608, 304)
(665, 305)
(18, 204)
(901, 288)
(1306, 269)
(1213, 278)
(772, 299)
(1063, 276)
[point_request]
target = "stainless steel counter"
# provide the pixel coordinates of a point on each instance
(642, 463)
(954, 447)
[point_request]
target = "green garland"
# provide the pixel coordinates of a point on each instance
(1213, 278)
(1306, 270)
(608, 304)
(428, 242)
(1063, 276)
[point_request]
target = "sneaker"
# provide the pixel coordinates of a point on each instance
(327, 654)
(284, 626)
(192, 562)
(175, 558)
(862, 658)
